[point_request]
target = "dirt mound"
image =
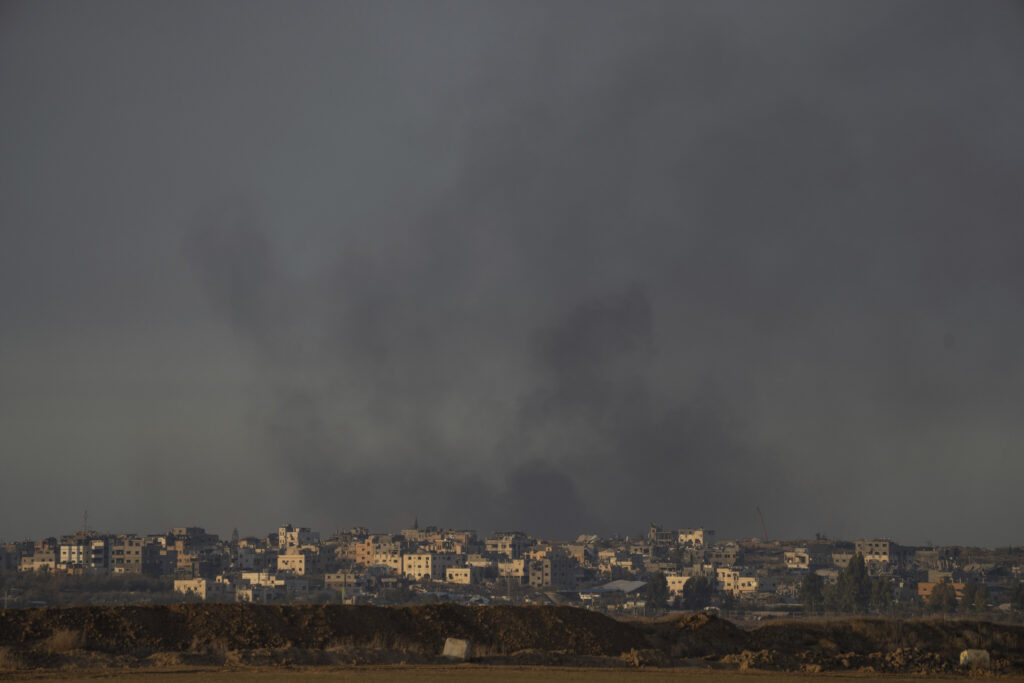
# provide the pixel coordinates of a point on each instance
(227, 627)
(889, 645)
(257, 635)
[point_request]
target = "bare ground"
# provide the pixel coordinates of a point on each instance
(263, 640)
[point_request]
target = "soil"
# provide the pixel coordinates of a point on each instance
(255, 636)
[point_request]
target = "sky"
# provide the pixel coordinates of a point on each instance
(567, 267)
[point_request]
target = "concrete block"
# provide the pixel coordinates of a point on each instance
(975, 659)
(457, 648)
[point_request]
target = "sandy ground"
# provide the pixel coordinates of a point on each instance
(466, 672)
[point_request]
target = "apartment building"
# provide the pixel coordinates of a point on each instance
(807, 558)
(676, 583)
(695, 538)
(884, 552)
(291, 538)
(727, 555)
(299, 563)
(429, 566)
(728, 579)
(510, 544)
(131, 555)
(554, 570)
(215, 590)
(39, 561)
(514, 570)
(466, 576)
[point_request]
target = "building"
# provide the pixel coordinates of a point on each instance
(291, 538)
(388, 558)
(883, 552)
(466, 576)
(373, 548)
(185, 538)
(72, 557)
(39, 561)
(131, 555)
(658, 535)
(216, 590)
(513, 570)
(429, 566)
(695, 538)
(270, 587)
(298, 564)
(676, 582)
(726, 555)
(728, 579)
(807, 558)
(554, 570)
(510, 544)
(258, 593)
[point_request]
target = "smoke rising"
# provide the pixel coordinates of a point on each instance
(568, 268)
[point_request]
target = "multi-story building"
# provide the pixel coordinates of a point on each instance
(291, 538)
(883, 552)
(809, 557)
(464, 575)
(510, 544)
(695, 538)
(186, 538)
(300, 560)
(429, 566)
(39, 561)
(658, 535)
(131, 555)
(726, 555)
(72, 557)
(676, 583)
(513, 570)
(373, 547)
(553, 570)
(727, 579)
(215, 590)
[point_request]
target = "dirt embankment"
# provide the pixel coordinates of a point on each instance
(238, 634)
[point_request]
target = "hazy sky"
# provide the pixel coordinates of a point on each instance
(560, 266)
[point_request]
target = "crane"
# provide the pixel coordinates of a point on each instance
(764, 529)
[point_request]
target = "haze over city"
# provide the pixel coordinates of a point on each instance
(568, 267)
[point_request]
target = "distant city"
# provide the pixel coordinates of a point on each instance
(659, 570)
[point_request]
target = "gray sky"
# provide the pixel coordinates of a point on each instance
(565, 266)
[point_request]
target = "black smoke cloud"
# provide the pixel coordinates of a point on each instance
(573, 267)
(688, 267)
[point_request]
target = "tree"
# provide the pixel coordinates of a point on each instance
(881, 595)
(967, 601)
(852, 590)
(811, 594)
(657, 590)
(697, 592)
(858, 586)
(830, 598)
(943, 599)
(980, 600)
(1017, 597)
